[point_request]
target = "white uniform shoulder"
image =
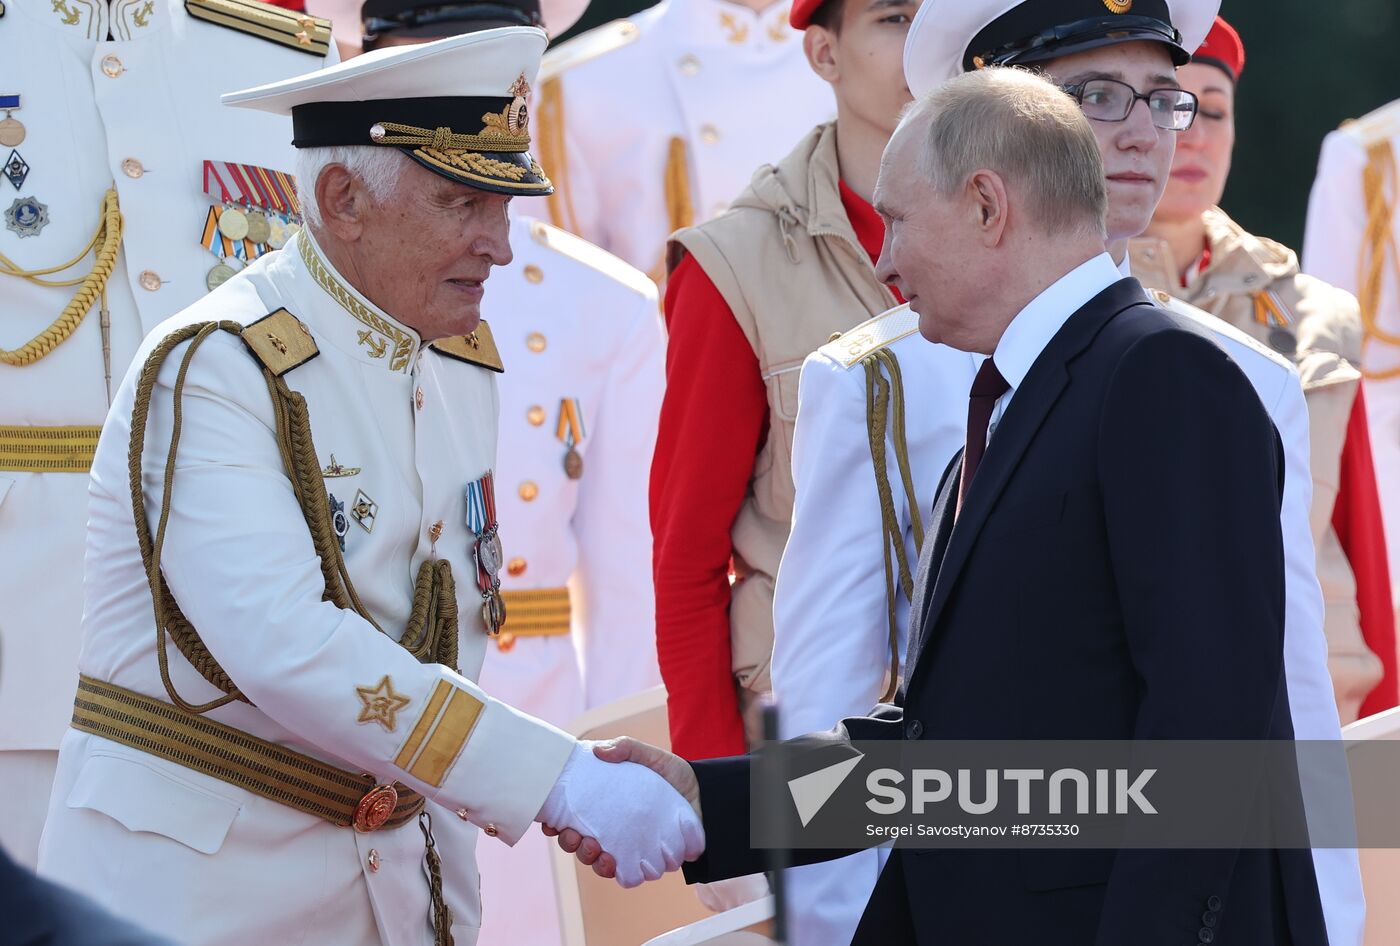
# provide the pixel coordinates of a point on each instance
(1223, 330)
(575, 248)
(1375, 126)
(848, 348)
(588, 46)
(299, 31)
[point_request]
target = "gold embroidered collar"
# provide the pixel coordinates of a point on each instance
(382, 339)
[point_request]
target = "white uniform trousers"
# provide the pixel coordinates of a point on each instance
(26, 778)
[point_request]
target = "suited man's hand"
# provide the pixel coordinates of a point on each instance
(625, 749)
(623, 818)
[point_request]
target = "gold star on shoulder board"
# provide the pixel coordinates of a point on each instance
(381, 704)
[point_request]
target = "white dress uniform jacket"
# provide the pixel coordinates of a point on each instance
(657, 122)
(410, 429)
(573, 323)
(831, 643)
(1351, 221)
(140, 112)
(819, 674)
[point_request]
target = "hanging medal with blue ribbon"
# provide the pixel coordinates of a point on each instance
(481, 519)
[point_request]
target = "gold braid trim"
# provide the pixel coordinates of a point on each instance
(549, 123)
(1378, 245)
(680, 211)
(445, 139)
(107, 239)
(431, 633)
(882, 398)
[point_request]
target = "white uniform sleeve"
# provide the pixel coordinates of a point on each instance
(831, 627)
(1336, 213)
(611, 519)
(1310, 695)
(831, 624)
(240, 561)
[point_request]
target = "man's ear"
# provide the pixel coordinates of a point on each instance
(819, 43)
(342, 201)
(987, 196)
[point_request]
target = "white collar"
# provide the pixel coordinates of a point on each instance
(1035, 325)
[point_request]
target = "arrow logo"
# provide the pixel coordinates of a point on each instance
(813, 790)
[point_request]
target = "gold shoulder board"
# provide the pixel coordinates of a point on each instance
(307, 34)
(585, 47)
(871, 335)
(478, 348)
(594, 257)
(280, 342)
(1375, 126)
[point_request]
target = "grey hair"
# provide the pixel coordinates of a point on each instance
(379, 169)
(1023, 127)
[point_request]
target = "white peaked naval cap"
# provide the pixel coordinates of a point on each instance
(950, 37)
(457, 106)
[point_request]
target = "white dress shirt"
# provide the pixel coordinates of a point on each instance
(1042, 318)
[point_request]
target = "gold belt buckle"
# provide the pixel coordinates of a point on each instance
(375, 808)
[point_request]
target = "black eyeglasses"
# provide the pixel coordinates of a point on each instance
(1108, 100)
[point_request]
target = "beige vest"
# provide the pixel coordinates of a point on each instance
(788, 263)
(1254, 284)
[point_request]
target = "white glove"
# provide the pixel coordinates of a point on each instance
(735, 892)
(635, 814)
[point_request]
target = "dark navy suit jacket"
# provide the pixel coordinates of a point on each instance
(1092, 589)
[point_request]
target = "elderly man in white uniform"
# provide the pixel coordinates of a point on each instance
(109, 114)
(657, 122)
(582, 333)
(1350, 242)
(833, 573)
(295, 487)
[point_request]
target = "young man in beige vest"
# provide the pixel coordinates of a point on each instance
(751, 293)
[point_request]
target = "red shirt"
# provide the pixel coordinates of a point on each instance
(1356, 515)
(714, 420)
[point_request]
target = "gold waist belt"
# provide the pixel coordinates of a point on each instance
(538, 612)
(231, 755)
(28, 449)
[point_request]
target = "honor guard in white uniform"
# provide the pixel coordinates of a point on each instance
(657, 122)
(127, 194)
(583, 336)
(294, 556)
(841, 412)
(1350, 243)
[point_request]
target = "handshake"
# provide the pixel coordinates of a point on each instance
(628, 809)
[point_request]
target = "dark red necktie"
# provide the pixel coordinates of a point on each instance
(981, 401)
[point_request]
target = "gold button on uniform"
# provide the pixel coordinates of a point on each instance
(150, 281)
(528, 490)
(133, 168)
(535, 415)
(112, 66)
(491, 830)
(462, 813)
(533, 274)
(709, 134)
(373, 860)
(689, 64)
(535, 342)
(418, 399)
(515, 567)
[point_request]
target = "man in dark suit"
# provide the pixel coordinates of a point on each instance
(1085, 545)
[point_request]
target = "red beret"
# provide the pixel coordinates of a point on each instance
(1222, 49)
(802, 10)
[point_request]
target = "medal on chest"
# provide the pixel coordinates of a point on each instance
(256, 214)
(481, 519)
(570, 433)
